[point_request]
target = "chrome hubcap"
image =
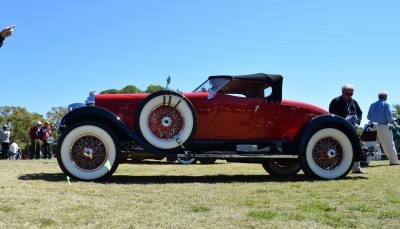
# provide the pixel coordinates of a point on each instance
(88, 152)
(331, 153)
(166, 121)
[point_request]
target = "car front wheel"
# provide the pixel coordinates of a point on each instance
(88, 151)
(328, 154)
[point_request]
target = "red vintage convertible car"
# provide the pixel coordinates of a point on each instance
(236, 118)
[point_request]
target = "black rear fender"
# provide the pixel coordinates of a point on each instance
(329, 120)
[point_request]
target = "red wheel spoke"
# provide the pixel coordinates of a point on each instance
(166, 122)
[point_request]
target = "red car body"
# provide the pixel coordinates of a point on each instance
(245, 122)
(237, 118)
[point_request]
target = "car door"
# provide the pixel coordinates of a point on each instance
(238, 118)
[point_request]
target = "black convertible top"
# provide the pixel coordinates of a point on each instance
(274, 80)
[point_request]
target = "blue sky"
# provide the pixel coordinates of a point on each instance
(61, 50)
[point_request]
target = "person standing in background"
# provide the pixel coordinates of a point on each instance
(46, 133)
(35, 141)
(381, 113)
(13, 150)
(5, 142)
(347, 107)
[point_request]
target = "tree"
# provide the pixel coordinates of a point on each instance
(397, 109)
(56, 114)
(19, 121)
(110, 91)
(153, 88)
(130, 89)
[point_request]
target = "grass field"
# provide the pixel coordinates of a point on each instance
(35, 194)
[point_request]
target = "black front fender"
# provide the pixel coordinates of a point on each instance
(106, 117)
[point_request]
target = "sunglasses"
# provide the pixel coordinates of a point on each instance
(349, 94)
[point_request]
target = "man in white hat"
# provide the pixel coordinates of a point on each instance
(5, 142)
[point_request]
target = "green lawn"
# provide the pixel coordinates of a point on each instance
(35, 194)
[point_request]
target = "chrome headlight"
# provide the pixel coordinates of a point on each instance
(90, 100)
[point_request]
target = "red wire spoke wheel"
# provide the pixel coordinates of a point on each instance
(328, 153)
(166, 122)
(88, 153)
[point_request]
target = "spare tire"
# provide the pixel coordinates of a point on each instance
(166, 120)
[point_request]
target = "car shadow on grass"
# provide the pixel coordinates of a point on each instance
(160, 179)
(52, 177)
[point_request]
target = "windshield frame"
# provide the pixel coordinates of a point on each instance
(214, 84)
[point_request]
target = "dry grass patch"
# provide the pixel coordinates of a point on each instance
(35, 194)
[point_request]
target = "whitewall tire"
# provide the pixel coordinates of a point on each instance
(88, 151)
(328, 154)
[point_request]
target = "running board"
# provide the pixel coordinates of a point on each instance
(225, 156)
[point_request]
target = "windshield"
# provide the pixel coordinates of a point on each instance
(214, 84)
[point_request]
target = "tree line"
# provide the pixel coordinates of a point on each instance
(130, 89)
(20, 120)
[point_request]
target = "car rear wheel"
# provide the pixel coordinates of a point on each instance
(88, 151)
(328, 154)
(282, 167)
(166, 120)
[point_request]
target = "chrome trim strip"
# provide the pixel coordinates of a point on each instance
(223, 156)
